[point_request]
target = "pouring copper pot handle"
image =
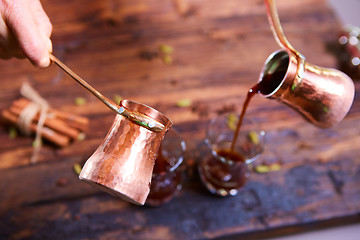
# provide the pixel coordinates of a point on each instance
(277, 30)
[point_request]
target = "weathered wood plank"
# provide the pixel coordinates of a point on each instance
(219, 49)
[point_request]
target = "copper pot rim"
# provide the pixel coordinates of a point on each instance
(268, 62)
(147, 111)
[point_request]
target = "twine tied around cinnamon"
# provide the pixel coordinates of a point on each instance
(38, 105)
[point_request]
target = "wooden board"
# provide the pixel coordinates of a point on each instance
(219, 49)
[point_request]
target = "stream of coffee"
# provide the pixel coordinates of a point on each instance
(252, 91)
(270, 81)
(225, 179)
(218, 175)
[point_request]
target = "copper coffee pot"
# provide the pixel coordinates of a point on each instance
(323, 96)
(123, 164)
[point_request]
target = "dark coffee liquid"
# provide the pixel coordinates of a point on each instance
(270, 82)
(161, 163)
(274, 73)
(267, 85)
(252, 91)
(230, 155)
(164, 183)
(221, 177)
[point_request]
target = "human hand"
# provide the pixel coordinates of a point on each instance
(25, 31)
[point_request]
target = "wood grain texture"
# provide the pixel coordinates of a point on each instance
(219, 49)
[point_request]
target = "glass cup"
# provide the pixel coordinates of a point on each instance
(166, 179)
(224, 170)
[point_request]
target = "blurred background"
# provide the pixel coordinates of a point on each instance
(347, 11)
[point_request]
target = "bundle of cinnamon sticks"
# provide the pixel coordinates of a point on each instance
(60, 128)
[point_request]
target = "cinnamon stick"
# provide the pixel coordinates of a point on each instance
(70, 119)
(75, 121)
(46, 132)
(51, 122)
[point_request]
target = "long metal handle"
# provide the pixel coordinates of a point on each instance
(276, 28)
(136, 117)
(83, 83)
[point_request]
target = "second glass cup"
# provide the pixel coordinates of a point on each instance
(225, 170)
(167, 174)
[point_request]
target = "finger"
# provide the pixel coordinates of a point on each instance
(41, 18)
(43, 22)
(8, 44)
(21, 21)
(48, 44)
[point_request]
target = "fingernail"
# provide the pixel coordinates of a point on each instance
(44, 62)
(48, 44)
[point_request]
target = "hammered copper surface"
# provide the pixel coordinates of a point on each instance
(323, 96)
(123, 164)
